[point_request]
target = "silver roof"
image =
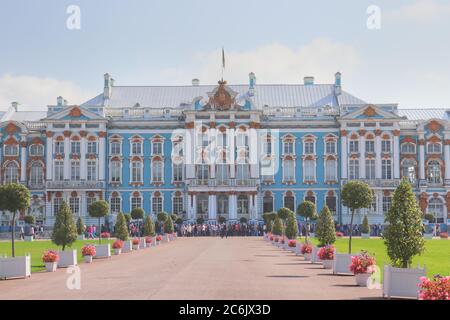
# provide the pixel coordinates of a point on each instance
(424, 114)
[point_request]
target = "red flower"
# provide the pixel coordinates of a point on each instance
(443, 235)
(118, 244)
(105, 235)
(135, 241)
(306, 248)
(436, 289)
(362, 263)
(339, 234)
(148, 239)
(50, 256)
(326, 253)
(88, 250)
(158, 237)
(292, 243)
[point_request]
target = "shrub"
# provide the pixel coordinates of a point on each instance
(168, 225)
(50, 256)
(429, 217)
(29, 220)
(325, 231)
(403, 233)
(291, 226)
(88, 250)
(81, 228)
(283, 213)
(200, 220)
(137, 213)
(149, 227)
(436, 289)
(362, 263)
(118, 244)
(135, 241)
(127, 218)
(365, 228)
(162, 216)
(105, 235)
(355, 195)
(443, 235)
(326, 253)
(99, 209)
(121, 229)
(306, 248)
(277, 228)
(64, 230)
(292, 243)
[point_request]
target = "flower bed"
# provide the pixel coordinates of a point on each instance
(326, 253)
(105, 235)
(88, 250)
(362, 263)
(292, 243)
(436, 289)
(443, 235)
(118, 244)
(306, 248)
(50, 256)
(148, 240)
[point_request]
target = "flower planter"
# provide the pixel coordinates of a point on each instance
(166, 238)
(154, 244)
(399, 282)
(80, 237)
(327, 264)
(117, 252)
(67, 258)
(28, 238)
(361, 279)
(314, 257)
(135, 247)
(102, 251)
(51, 266)
(298, 249)
(307, 256)
(341, 263)
(127, 246)
(18, 267)
(428, 236)
(142, 243)
(365, 235)
(171, 237)
(87, 259)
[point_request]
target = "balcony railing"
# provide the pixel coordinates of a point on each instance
(227, 183)
(379, 183)
(75, 184)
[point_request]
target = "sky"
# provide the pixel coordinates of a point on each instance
(395, 52)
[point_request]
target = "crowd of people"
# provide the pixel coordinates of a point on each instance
(222, 230)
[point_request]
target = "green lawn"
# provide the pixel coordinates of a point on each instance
(436, 256)
(37, 248)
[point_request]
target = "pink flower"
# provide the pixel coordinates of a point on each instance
(326, 253)
(362, 263)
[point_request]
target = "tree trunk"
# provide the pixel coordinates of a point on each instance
(13, 235)
(351, 233)
(100, 232)
(306, 231)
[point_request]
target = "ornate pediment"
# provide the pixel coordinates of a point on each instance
(222, 98)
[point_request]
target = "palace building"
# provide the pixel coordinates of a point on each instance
(223, 150)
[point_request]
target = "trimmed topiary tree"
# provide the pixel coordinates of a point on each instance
(149, 227)
(29, 220)
(403, 233)
(64, 230)
(355, 195)
(162, 217)
(81, 228)
(200, 220)
(168, 225)
(291, 230)
(325, 230)
(127, 218)
(137, 213)
(99, 209)
(307, 210)
(121, 228)
(365, 228)
(14, 198)
(277, 228)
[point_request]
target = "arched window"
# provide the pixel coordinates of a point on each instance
(136, 171)
(331, 170)
(11, 173)
(177, 203)
(136, 201)
(409, 169)
(436, 208)
(434, 172)
(36, 174)
(57, 203)
(310, 197)
(408, 147)
(289, 201)
(74, 204)
(268, 202)
(330, 201)
(222, 204)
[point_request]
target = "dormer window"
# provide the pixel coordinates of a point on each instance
(434, 148)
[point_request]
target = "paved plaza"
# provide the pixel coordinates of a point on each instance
(195, 268)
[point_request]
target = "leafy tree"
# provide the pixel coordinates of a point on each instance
(277, 228)
(121, 228)
(355, 195)
(243, 220)
(200, 220)
(291, 226)
(149, 227)
(64, 230)
(174, 217)
(269, 218)
(81, 228)
(99, 209)
(162, 217)
(307, 210)
(179, 220)
(429, 217)
(365, 228)
(14, 198)
(29, 220)
(168, 225)
(221, 219)
(284, 213)
(325, 230)
(127, 218)
(403, 233)
(137, 213)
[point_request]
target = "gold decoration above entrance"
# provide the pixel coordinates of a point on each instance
(222, 98)
(370, 112)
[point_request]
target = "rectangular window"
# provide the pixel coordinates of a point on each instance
(74, 204)
(59, 170)
(178, 172)
(136, 148)
(330, 169)
(309, 147)
(59, 147)
(354, 146)
(242, 173)
(288, 170)
(222, 176)
(157, 205)
(370, 168)
(115, 204)
(386, 146)
(115, 171)
(115, 148)
(310, 170)
(353, 169)
(386, 204)
(330, 147)
(91, 170)
(386, 169)
(177, 205)
(136, 171)
(92, 147)
(267, 147)
(75, 171)
(157, 148)
(11, 150)
(136, 202)
(370, 146)
(89, 201)
(57, 203)
(288, 147)
(75, 147)
(157, 171)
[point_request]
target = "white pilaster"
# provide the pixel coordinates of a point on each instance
(49, 157)
(362, 157)
(396, 156)
(23, 159)
(83, 150)
(232, 206)
(67, 152)
(421, 156)
(344, 161)
(101, 156)
(232, 151)
(254, 153)
(212, 207)
(378, 156)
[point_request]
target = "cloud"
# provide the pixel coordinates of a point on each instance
(273, 63)
(421, 11)
(38, 92)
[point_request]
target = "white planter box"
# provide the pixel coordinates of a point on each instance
(361, 279)
(142, 243)
(327, 264)
(51, 266)
(398, 282)
(28, 238)
(67, 258)
(341, 263)
(365, 235)
(102, 251)
(127, 246)
(307, 256)
(87, 259)
(314, 257)
(80, 237)
(428, 236)
(166, 238)
(117, 252)
(18, 267)
(154, 244)
(171, 237)
(135, 247)
(298, 249)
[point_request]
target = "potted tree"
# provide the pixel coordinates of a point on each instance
(307, 210)
(362, 266)
(121, 232)
(30, 221)
(14, 198)
(149, 231)
(168, 229)
(403, 239)
(100, 209)
(326, 234)
(277, 230)
(365, 228)
(355, 195)
(81, 228)
(291, 231)
(65, 234)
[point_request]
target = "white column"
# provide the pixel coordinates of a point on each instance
(1, 151)
(67, 152)
(254, 153)
(362, 157)
(23, 159)
(189, 149)
(194, 207)
(83, 151)
(378, 156)
(421, 156)
(212, 152)
(344, 160)
(230, 135)
(252, 206)
(190, 207)
(49, 159)
(212, 208)
(396, 155)
(447, 159)
(232, 206)
(101, 156)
